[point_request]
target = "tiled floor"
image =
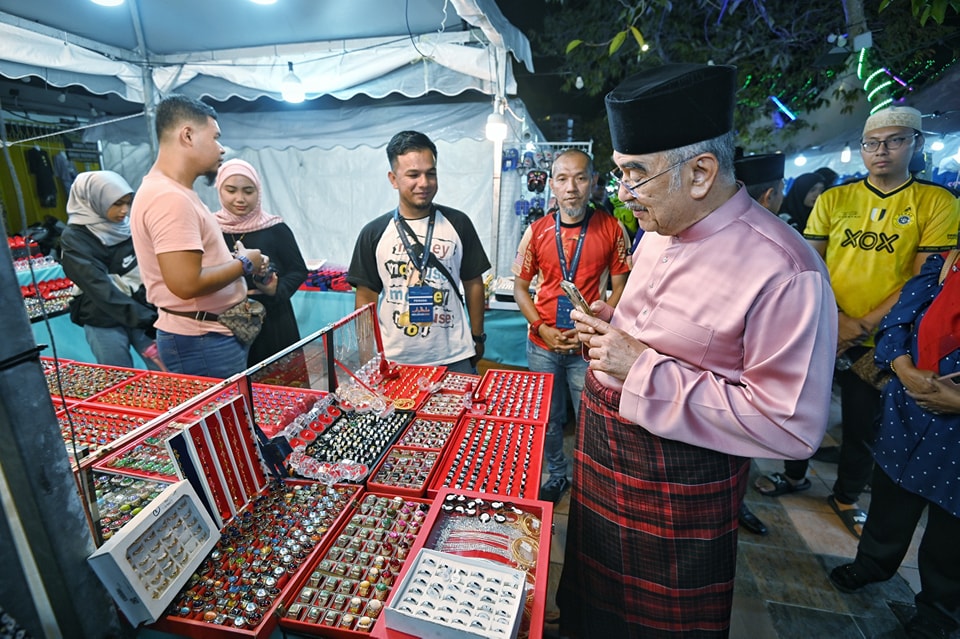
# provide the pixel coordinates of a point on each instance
(782, 590)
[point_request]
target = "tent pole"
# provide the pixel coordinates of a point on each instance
(44, 535)
(149, 89)
(495, 222)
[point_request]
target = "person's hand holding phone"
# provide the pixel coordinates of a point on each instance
(579, 302)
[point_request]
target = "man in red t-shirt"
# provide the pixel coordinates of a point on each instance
(588, 247)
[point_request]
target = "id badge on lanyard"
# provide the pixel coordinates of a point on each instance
(420, 299)
(564, 305)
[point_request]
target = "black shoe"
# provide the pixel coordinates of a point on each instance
(751, 522)
(922, 628)
(554, 488)
(849, 578)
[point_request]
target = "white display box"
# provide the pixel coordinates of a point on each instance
(146, 563)
(444, 596)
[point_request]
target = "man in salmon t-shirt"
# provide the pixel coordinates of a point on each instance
(189, 272)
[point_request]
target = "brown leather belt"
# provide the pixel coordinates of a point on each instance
(200, 316)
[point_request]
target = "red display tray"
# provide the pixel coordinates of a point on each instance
(410, 385)
(154, 391)
(459, 383)
(495, 456)
(356, 548)
(146, 457)
(405, 471)
(282, 520)
(97, 428)
(50, 362)
(275, 407)
(514, 395)
(522, 526)
(443, 406)
(84, 381)
(428, 432)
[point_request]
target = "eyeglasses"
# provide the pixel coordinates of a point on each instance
(634, 189)
(890, 144)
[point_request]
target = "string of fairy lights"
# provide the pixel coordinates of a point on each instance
(884, 87)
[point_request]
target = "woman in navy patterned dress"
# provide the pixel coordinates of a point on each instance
(917, 450)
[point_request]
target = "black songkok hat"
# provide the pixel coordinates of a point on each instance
(759, 169)
(671, 106)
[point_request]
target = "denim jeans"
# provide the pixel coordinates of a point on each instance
(463, 366)
(111, 346)
(208, 355)
(568, 373)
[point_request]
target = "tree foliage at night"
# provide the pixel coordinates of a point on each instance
(780, 47)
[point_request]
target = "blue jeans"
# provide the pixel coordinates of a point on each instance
(463, 366)
(111, 346)
(207, 355)
(568, 373)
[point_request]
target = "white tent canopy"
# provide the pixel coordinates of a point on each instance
(423, 43)
(437, 66)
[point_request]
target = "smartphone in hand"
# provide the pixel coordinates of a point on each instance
(570, 290)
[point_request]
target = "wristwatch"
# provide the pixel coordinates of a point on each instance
(247, 264)
(480, 339)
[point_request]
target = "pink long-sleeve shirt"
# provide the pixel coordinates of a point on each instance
(742, 327)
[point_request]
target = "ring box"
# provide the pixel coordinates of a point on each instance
(536, 576)
(436, 600)
(154, 554)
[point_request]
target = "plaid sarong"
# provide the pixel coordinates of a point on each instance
(652, 536)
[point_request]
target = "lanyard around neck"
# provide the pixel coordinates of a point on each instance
(569, 274)
(403, 230)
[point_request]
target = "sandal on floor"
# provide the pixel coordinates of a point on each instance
(848, 578)
(781, 485)
(852, 518)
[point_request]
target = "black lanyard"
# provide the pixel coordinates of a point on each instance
(570, 274)
(403, 229)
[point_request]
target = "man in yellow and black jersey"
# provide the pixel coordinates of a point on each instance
(874, 234)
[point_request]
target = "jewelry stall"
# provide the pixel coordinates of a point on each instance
(324, 492)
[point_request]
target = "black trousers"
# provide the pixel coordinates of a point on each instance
(860, 407)
(891, 522)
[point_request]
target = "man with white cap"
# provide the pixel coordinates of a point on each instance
(695, 371)
(874, 234)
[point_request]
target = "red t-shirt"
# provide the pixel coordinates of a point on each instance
(604, 253)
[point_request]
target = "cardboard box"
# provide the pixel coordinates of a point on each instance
(146, 563)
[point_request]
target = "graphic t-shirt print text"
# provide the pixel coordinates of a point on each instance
(412, 302)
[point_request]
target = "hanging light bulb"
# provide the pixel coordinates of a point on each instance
(846, 154)
(292, 89)
(937, 145)
(579, 82)
(800, 160)
(496, 129)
